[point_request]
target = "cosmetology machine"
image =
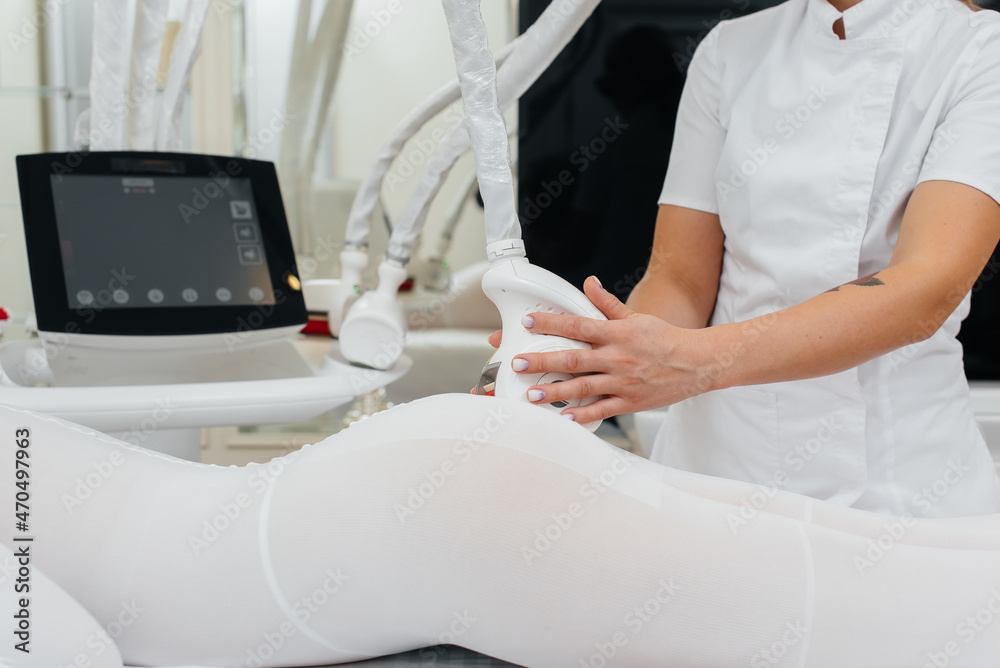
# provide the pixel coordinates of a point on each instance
(167, 298)
(166, 291)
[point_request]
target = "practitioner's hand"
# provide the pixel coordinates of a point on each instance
(638, 362)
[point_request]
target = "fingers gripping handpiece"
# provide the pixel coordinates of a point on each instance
(519, 288)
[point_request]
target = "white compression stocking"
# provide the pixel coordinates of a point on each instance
(491, 525)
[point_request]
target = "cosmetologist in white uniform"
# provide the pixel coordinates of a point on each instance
(815, 146)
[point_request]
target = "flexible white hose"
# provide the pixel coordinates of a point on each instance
(186, 49)
(360, 220)
(108, 71)
(540, 44)
(454, 212)
(477, 76)
(150, 24)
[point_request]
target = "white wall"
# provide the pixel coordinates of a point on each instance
(20, 132)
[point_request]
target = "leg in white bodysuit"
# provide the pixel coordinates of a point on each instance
(499, 527)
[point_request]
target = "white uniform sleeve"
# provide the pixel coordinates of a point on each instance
(966, 145)
(699, 134)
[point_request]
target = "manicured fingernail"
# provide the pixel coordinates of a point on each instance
(570, 417)
(535, 395)
(598, 282)
(528, 321)
(519, 364)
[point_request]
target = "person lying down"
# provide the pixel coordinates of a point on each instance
(468, 520)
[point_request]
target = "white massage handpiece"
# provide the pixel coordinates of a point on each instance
(519, 288)
(374, 328)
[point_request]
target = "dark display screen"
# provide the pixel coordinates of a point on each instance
(160, 241)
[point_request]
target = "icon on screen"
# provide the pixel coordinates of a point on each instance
(256, 294)
(155, 296)
(250, 254)
(241, 210)
(223, 295)
(246, 233)
(120, 296)
(190, 295)
(85, 297)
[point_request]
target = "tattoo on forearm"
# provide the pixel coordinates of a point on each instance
(868, 281)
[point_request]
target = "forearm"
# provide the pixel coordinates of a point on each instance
(682, 279)
(668, 299)
(832, 332)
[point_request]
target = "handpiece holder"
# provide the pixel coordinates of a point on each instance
(519, 288)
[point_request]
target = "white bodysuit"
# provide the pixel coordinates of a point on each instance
(475, 521)
(808, 147)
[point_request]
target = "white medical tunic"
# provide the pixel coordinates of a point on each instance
(808, 148)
